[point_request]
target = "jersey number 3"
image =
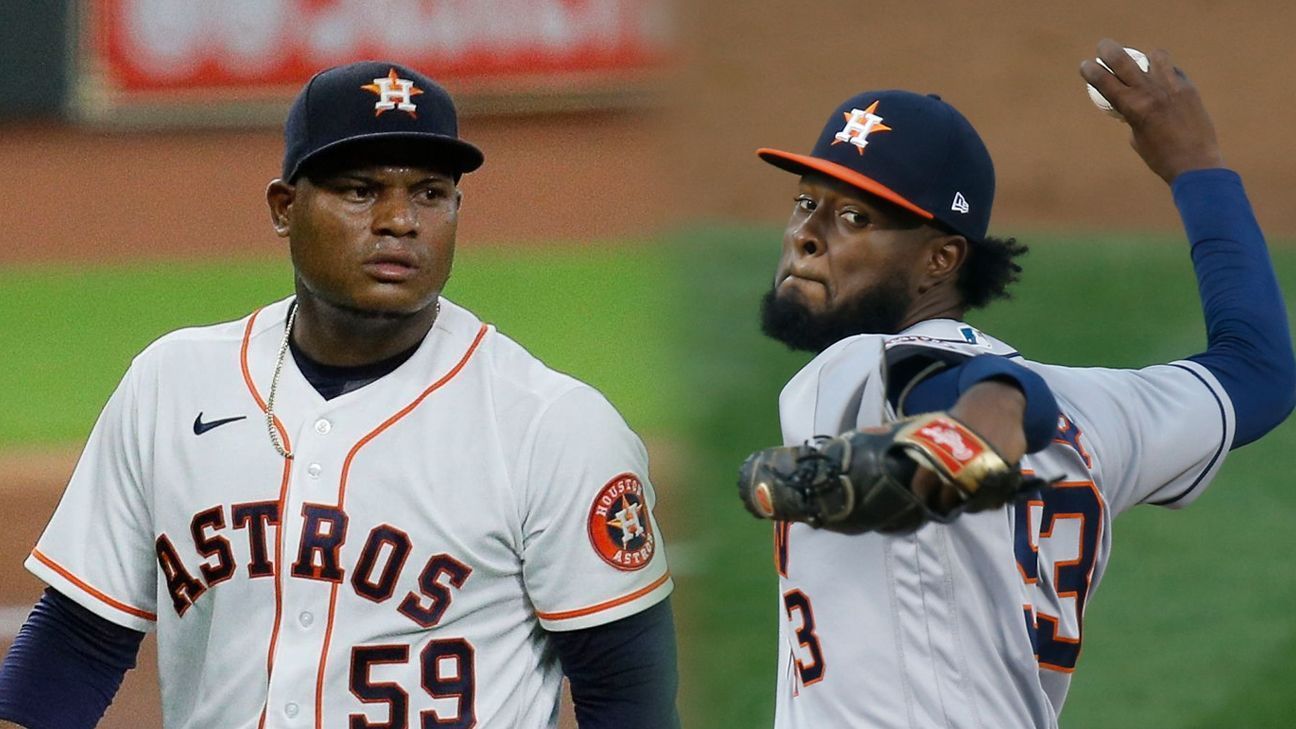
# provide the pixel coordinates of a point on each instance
(448, 674)
(810, 663)
(1070, 516)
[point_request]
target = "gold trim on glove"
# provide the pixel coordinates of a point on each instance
(952, 450)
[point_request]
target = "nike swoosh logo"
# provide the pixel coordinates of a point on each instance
(200, 427)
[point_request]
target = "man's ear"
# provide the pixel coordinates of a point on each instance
(279, 196)
(946, 256)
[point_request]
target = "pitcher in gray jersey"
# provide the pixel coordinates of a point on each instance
(978, 622)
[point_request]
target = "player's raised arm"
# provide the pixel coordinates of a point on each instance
(1249, 342)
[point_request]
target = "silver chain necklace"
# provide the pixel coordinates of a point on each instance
(274, 380)
(274, 385)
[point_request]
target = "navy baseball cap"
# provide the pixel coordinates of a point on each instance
(915, 151)
(374, 100)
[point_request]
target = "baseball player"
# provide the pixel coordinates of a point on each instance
(936, 557)
(359, 506)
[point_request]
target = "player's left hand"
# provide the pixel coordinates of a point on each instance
(1170, 128)
(861, 480)
(995, 411)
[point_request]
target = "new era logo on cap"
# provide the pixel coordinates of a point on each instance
(930, 161)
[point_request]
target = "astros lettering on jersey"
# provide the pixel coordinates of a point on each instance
(399, 569)
(953, 636)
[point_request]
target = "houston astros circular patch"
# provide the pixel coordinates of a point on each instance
(620, 527)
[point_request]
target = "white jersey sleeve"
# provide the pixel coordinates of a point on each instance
(1157, 435)
(98, 548)
(591, 549)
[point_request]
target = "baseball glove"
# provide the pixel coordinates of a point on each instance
(860, 480)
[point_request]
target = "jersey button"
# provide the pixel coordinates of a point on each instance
(323, 426)
(306, 618)
(291, 710)
(314, 470)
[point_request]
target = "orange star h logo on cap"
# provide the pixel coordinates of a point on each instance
(860, 124)
(394, 92)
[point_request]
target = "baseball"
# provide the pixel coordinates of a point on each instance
(1098, 99)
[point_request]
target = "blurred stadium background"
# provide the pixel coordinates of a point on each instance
(623, 230)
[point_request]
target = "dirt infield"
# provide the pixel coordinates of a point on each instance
(93, 196)
(759, 73)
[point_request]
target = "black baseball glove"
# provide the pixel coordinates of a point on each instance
(860, 480)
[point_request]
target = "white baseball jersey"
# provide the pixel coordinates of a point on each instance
(400, 570)
(976, 623)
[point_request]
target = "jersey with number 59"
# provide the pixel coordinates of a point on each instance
(976, 623)
(402, 569)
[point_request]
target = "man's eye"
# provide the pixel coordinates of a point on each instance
(803, 202)
(855, 218)
(357, 192)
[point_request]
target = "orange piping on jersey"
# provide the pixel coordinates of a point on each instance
(341, 502)
(346, 465)
(251, 386)
(279, 530)
(778, 565)
(581, 612)
(328, 638)
(92, 592)
(278, 573)
(782, 530)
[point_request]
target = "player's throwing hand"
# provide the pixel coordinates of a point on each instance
(1170, 128)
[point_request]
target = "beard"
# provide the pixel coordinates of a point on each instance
(880, 310)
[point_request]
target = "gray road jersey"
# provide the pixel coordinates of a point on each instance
(976, 623)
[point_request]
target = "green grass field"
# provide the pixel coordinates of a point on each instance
(1191, 627)
(71, 332)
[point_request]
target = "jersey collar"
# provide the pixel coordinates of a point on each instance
(951, 332)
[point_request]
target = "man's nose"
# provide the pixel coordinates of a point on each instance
(808, 238)
(395, 215)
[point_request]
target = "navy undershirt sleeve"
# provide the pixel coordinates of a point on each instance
(623, 674)
(65, 666)
(942, 390)
(1249, 346)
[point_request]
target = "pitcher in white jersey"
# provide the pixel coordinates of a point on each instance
(978, 622)
(359, 506)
